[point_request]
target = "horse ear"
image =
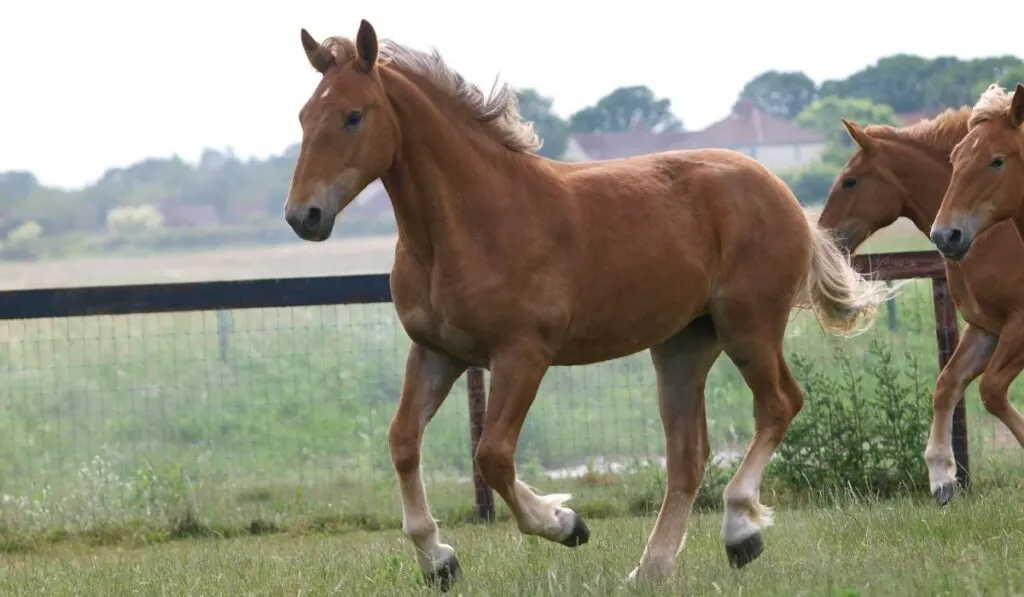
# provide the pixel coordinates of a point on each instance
(859, 135)
(366, 45)
(318, 57)
(1017, 107)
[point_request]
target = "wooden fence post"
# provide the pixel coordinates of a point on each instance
(948, 336)
(477, 406)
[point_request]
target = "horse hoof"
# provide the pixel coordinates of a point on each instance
(580, 533)
(944, 493)
(745, 552)
(447, 574)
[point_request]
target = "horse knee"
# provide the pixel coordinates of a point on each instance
(496, 463)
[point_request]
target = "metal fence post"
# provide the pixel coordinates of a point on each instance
(477, 406)
(947, 335)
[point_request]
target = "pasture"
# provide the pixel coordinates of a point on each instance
(259, 438)
(899, 547)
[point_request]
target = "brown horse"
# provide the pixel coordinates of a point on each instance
(517, 263)
(987, 184)
(904, 172)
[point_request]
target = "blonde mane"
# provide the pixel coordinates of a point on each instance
(993, 104)
(499, 109)
(942, 132)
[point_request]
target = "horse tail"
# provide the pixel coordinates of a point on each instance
(843, 300)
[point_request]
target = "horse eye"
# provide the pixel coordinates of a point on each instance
(353, 118)
(849, 183)
(997, 162)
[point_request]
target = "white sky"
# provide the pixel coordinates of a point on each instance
(89, 85)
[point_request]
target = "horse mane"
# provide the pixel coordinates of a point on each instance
(499, 109)
(993, 104)
(941, 132)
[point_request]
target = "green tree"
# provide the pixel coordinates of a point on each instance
(898, 81)
(811, 183)
(910, 83)
(824, 117)
(1008, 80)
(781, 94)
(625, 109)
(553, 130)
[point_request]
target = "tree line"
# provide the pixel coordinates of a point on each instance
(248, 193)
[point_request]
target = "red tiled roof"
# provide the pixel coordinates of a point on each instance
(745, 126)
(604, 146)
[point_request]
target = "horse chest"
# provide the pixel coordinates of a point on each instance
(969, 293)
(432, 324)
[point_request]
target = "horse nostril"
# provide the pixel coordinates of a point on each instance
(955, 236)
(313, 217)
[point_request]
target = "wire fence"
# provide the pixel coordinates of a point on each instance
(259, 411)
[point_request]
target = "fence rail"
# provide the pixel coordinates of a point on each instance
(375, 288)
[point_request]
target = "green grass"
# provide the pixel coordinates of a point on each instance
(855, 547)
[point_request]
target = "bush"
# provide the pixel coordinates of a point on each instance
(811, 183)
(854, 437)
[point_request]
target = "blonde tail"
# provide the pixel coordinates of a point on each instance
(844, 301)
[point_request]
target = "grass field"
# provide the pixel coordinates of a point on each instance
(123, 433)
(899, 548)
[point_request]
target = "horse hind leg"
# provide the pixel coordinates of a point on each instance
(429, 377)
(681, 365)
(752, 336)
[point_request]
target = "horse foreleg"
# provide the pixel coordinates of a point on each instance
(969, 359)
(429, 376)
(516, 375)
(682, 366)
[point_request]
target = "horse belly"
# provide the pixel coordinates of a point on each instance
(626, 319)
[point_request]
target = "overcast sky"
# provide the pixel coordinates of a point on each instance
(101, 83)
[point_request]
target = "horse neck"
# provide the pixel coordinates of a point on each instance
(444, 170)
(925, 174)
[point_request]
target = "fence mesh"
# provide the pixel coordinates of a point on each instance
(266, 412)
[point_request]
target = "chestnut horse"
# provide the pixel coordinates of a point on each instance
(987, 184)
(516, 263)
(904, 172)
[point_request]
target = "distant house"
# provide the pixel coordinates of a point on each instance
(776, 143)
(178, 214)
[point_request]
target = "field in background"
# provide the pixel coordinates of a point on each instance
(338, 256)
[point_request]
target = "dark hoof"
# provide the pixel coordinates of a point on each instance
(745, 551)
(449, 573)
(945, 493)
(580, 534)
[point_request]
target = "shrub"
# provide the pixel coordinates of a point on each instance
(853, 436)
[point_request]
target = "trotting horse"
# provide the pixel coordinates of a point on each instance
(513, 262)
(904, 172)
(987, 183)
